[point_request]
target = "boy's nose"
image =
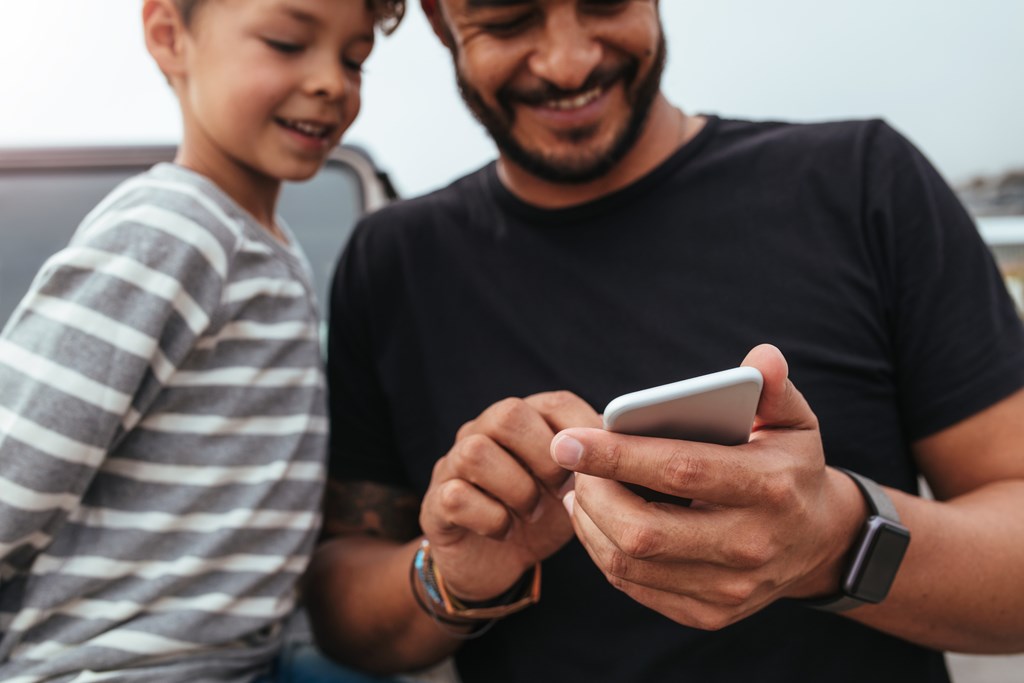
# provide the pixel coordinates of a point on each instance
(566, 53)
(328, 81)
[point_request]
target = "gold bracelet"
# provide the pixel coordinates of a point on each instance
(524, 593)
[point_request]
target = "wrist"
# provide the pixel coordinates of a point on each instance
(849, 512)
(473, 578)
(871, 564)
(520, 587)
(426, 596)
(434, 597)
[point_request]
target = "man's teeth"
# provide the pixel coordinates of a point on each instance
(307, 128)
(581, 100)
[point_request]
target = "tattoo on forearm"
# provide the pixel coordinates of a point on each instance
(370, 509)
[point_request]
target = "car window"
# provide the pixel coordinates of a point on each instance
(44, 194)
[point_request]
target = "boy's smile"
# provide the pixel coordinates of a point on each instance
(311, 135)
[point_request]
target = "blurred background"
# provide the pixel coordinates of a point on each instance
(946, 73)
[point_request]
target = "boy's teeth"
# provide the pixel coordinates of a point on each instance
(576, 102)
(306, 128)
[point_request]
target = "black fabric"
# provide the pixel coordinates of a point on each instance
(836, 242)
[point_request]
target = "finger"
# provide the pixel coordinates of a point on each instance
(480, 461)
(561, 409)
(523, 431)
(624, 572)
(781, 404)
(455, 507)
(667, 534)
(637, 530)
(564, 409)
(692, 611)
(465, 430)
(726, 475)
(672, 573)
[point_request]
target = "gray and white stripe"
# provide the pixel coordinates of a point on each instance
(121, 553)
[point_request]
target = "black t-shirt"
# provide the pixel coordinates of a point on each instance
(836, 242)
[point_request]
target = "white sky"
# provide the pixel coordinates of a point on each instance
(947, 73)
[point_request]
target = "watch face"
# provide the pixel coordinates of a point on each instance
(877, 560)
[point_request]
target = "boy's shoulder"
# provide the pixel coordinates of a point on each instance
(176, 202)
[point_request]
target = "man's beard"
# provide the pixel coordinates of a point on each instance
(580, 169)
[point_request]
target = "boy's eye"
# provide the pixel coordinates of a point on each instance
(352, 65)
(283, 47)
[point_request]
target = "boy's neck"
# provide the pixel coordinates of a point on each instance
(254, 192)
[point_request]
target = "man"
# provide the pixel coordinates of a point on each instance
(618, 243)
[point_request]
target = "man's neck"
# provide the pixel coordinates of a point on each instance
(667, 130)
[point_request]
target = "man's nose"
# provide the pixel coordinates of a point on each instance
(567, 53)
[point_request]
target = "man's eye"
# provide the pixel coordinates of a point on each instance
(283, 46)
(607, 6)
(510, 26)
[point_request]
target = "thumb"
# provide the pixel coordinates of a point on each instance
(781, 404)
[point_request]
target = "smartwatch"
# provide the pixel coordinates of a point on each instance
(876, 555)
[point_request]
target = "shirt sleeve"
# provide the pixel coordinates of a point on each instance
(106, 322)
(958, 342)
(362, 444)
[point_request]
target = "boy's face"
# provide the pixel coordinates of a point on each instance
(269, 86)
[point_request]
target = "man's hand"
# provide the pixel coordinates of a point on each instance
(493, 506)
(772, 521)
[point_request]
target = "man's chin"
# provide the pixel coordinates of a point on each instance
(574, 163)
(567, 171)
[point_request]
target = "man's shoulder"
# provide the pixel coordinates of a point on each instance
(808, 135)
(450, 203)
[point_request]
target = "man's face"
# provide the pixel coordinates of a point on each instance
(563, 86)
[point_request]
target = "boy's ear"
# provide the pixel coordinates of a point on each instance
(164, 32)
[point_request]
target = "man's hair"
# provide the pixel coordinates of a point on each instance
(387, 13)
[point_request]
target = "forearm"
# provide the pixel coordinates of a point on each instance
(959, 587)
(363, 611)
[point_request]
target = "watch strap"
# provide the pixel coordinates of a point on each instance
(840, 603)
(877, 499)
(879, 504)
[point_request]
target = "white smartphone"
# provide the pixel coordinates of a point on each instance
(716, 408)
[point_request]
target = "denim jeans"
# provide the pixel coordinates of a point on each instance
(303, 663)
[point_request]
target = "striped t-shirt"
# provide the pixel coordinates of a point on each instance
(162, 442)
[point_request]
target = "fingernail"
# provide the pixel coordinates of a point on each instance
(567, 451)
(569, 502)
(567, 487)
(536, 514)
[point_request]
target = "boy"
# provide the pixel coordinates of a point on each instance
(162, 427)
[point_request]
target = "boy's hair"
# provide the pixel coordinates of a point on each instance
(387, 13)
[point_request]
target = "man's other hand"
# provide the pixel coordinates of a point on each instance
(769, 520)
(493, 508)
